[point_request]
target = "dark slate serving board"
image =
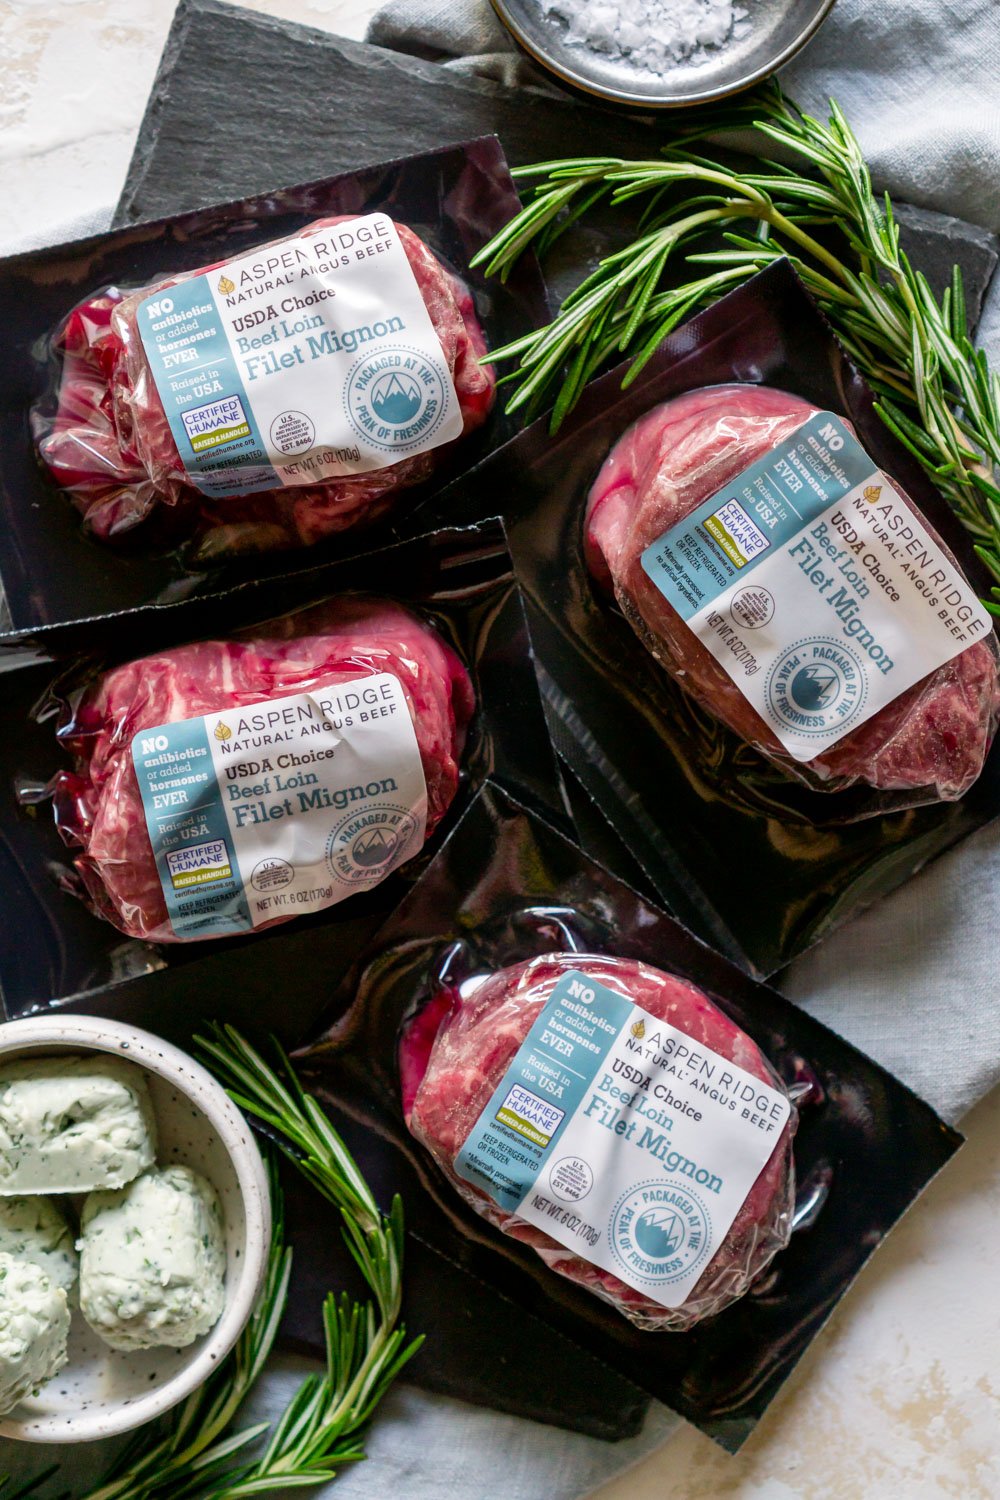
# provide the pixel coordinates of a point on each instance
(300, 103)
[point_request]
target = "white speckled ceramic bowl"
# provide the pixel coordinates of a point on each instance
(102, 1391)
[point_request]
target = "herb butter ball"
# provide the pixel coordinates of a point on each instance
(152, 1260)
(34, 1326)
(72, 1124)
(35, 1229)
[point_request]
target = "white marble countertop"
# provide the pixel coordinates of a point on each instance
(899, 1397)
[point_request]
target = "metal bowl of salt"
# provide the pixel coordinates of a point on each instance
(661, 54)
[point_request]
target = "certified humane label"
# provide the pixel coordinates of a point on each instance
(302, 361)
(816, 586)
(624, 1139)
(282, 807)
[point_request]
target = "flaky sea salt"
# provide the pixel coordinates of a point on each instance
(649, 34)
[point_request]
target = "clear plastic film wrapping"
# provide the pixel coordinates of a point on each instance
(98, 806)
(761, 854)
(455, 1052)
(78, 381)
(110, 446)
(437, 620)
(928, 743)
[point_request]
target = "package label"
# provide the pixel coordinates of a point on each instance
(816, 586)
(283, 807)
(625, 1140)
(299, 362)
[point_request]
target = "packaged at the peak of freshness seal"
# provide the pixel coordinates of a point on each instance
(611, 1128)
(220, 772)
(756, 622)
(189, 401)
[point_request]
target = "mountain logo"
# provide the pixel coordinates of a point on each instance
(660, 1232)
(396, 399)
(816, 686)
(374, 848)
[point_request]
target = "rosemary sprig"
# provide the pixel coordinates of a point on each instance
(324, 1424)
(935, 390)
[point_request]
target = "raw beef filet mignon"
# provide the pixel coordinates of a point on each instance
(111, 447)
(99, 805)
(457, 1049)
(930, 742)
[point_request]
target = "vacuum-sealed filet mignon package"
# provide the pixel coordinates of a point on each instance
(756, 623)
(259, 377)
(187, 401)
(795, 593)
(228, 785)
(610, 1125)
(185, 787)
(624, 1063)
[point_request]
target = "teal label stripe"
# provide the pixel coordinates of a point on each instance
(541, 1090)
(764, 507)
(202, 390)
(189, 832)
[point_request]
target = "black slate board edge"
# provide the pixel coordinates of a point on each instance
(99, 632)
(611, 810)
(614, 1425)
(254, 203)
(401, 70)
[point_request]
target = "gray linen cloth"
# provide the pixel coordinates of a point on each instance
(918, 82)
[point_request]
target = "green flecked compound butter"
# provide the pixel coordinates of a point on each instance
(34, 1327)
(301, 361)
(70, 1124)
(36, 1229)
(153, 1260)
